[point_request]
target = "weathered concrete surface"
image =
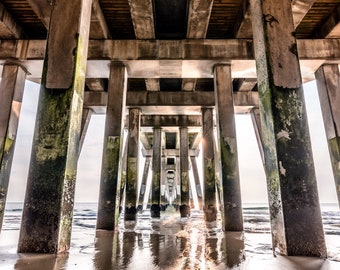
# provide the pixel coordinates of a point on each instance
(143, 23)
(170, 120)
(142, 192)
(11, 93)
(177, 183)
(172, 152)
(200, 50)
(142, 18)
(42, 9)
(198, 18)
(197, 182)
(152, 84)
(156, 172)
(331, 27)
(243, 26)
(294, 205)
(328, 82)
(132, 164)
(109, 191)
(227, 149)
(171, 59)
(256, 120)
(209, 175)
(9, 28)
(123, 172)
(188, 84)
(98, 25)
(150, 98)
(184, 172)
(47, 213)
(85, 121)
(300, 9)
(171, 102)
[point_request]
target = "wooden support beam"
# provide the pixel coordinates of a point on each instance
(95, 84)
(256, 120)
(9, 28)
(42, 9)
(85, 121)
(145, 141)
(300, 8)
(169, 99)
(243, 28)
(196, 141)
(169, 102)
(188, 84)
(98, 26)
(142, 192)
(197, 182)
(101, 51)
(198, 18)
(152, 84)
(171, 152)
(331, 27)
(143, 23)
(142, 18)
(244, 84)
(170, 120)
(170, 59)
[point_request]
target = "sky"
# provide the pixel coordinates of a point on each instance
(252, 177)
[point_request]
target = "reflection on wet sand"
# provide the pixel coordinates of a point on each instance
(169, 243)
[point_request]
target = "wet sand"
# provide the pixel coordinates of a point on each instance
(168, 243)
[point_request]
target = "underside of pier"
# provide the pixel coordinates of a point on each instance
(170, 75)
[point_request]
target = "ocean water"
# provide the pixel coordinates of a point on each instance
(166, 243)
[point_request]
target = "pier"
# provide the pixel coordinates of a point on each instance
(170, 75)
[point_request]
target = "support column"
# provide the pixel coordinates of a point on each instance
(48, 209)
(184, 172)
(328, 82)
(156, 172)
(144, 181)
(122, 170)
(110, 182)
(11, 93)
(132, 164)
(209, 183)
(85, 121)
(296, 223)
(255, 118)
(227, 149)
(177, 183)
(164, 199)
(197, 182)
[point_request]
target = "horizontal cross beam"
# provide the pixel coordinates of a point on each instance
(97, 101)
(171, 58)
(170, 152)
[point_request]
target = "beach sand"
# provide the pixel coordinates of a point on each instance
(169, 243)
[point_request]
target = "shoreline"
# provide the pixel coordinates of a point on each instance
(166, 243)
